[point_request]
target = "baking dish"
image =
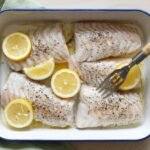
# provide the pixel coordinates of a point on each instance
(137, 17)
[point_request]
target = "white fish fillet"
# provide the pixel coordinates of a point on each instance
(93, 73)
(48, 109)
(118, 109)
(47, 41)
(94, 41)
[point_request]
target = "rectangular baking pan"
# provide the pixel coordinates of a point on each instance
(138, 17)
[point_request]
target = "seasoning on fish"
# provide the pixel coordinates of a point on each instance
(47, 41)
(95, 41)
(48, 108)
(93, 73)
(118, 109)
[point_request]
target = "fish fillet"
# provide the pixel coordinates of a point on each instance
(118, 109)
(47, 41)
(48, 108)
(94, 41)
(93, 73)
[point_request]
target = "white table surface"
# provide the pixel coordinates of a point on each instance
(94, 4)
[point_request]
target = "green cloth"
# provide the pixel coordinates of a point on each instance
(11, 145)
(1, 3)
(21, 4)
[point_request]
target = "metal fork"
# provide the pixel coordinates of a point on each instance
(114, 80)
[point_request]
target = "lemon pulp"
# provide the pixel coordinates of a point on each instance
(132, 79)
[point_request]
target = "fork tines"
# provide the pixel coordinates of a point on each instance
(110, 84)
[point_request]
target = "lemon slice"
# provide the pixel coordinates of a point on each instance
(16, 46)
(65, 83)
(41, 71)
(132, 79)
(19, 113)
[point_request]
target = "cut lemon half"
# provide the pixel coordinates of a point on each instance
(65, 83)
(19, 113)
(41, 71)
(132, 79)
(16, 46)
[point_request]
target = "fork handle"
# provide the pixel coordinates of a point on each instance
(146, 49)
(140, 55)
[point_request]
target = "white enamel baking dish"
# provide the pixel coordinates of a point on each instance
(140, 18)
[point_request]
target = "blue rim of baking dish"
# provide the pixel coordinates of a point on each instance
(75, 10)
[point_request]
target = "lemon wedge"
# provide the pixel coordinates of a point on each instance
(16, 46)
(132, 79)
(19, 113)
(65, 83)
(41, 71)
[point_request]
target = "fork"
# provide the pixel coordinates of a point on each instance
(115, 79)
